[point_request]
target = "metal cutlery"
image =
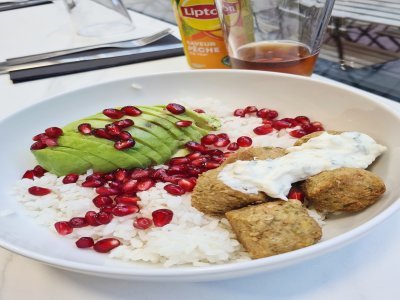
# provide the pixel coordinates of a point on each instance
(44, 63)
(123, 45)
(9, 5)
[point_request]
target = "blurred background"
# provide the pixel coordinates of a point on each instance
(361, 46)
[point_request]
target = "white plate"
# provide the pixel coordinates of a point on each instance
(338, 108)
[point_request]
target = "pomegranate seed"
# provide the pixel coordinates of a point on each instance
(39, 171)
(272, 114)
(70, 178)
(250, 109)
(125, 136)
(209, 139)
(131, 111)
(106, 245)
(267, 122)
(113, 113)
(223, 136)
(90, 218)
(211, 165)
(85, 128)
(101, 201)
(29, 174)
(183, 123)
(293, 122)
(194, 171)
(298, 133)
(78, 222)
(127, 200)
(104, 217)
(125, 123)
(159, 174)
(222, 142)
(194, 155)
(63, 228)
(108, 176)
(244, 141)
(174, 189)
(194, 146)
(177, 169)
(215, 152)
(92, 183)
(316, 124)
(162, 217)
(239, 113)
(220, 159)
(318, 129)
(140, 173)
(121, 145)
(233, 146)
(296, 193)
(113, 129)
(104, 191)
(302, 119)
(53, 132)
(187, 184)
(263, 130)
(84, 242)
(121, 210)
(50, 142)
(120, 175)
(38, 191)
(178, 161)
(38, 146)
(280, 124)
(142, 223)
(263, 113)
(146, 184)
(199, 110)
(102, 134)
(95, 176)
(107, 209)
(129, 186)
(39, 137)
(175, 108)
(198, 162)
(227, 154)
(115, 185)
(307, 128)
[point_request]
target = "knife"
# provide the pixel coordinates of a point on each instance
(90, 57)
(4, 6)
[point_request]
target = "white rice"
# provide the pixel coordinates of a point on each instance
(191, 238)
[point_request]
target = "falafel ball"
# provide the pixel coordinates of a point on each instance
(343, 190)
(307, 137)
(274, 227)
(212, 196)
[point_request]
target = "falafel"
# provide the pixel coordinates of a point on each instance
(212, 196)
(343, 190)
(274, 227)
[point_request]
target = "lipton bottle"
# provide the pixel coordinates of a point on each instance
(201, 34)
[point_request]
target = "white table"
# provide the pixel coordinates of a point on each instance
(367, 269)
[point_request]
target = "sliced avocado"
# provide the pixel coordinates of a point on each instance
(203, 120)
(191, 132)
(99, 164)
(60, 163)
(153, 148)
(103, 148)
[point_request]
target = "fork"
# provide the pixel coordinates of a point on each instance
(123, 44)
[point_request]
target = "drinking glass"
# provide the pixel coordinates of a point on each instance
(274, 35)
(99, 18)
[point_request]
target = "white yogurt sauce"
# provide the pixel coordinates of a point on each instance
(325, 152)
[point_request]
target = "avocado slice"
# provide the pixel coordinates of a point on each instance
(99, 164)
(191, 132)
(61, 163)
(103, 148)
(153, 147)
(203, 120)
